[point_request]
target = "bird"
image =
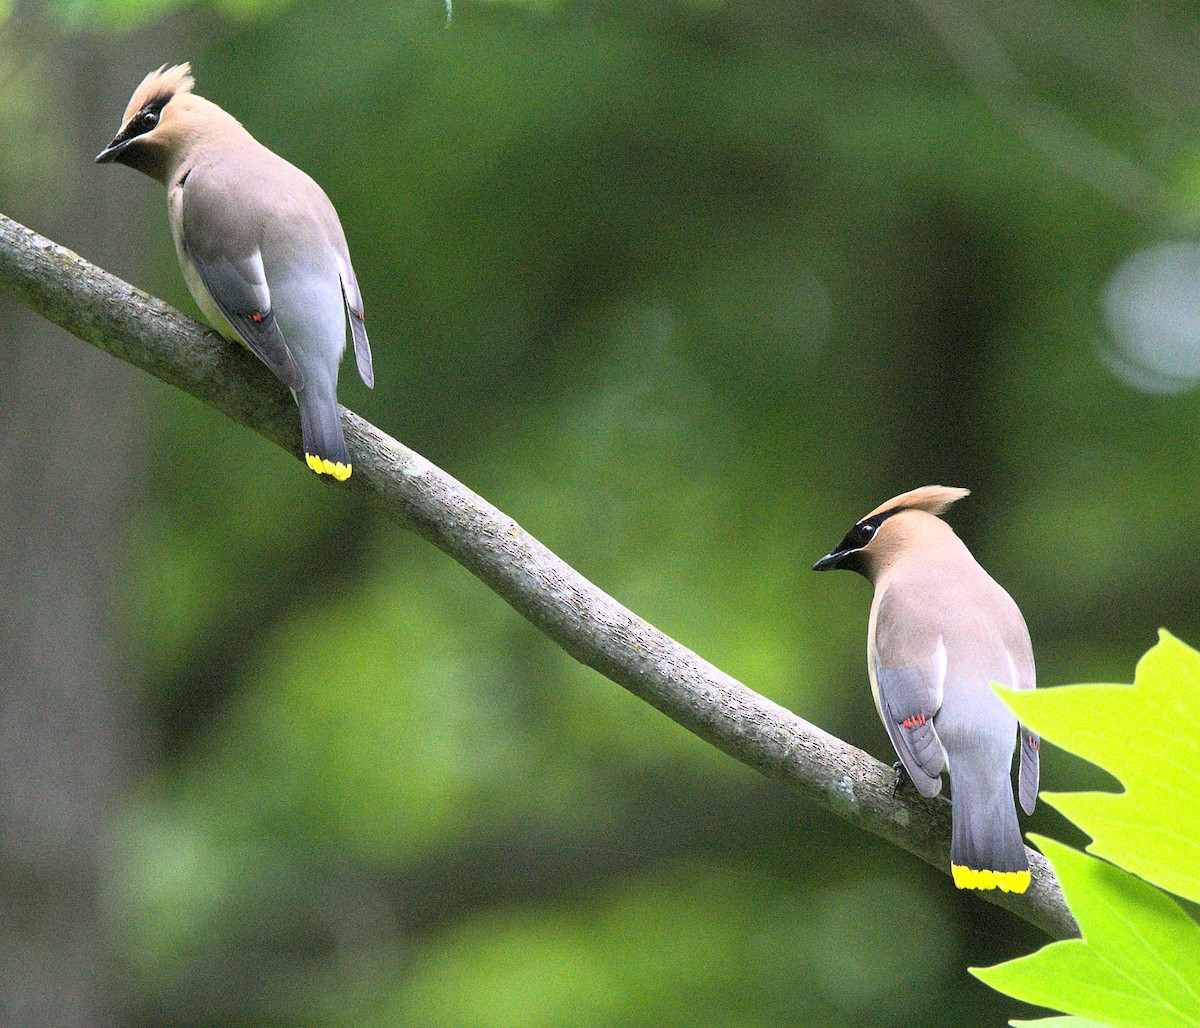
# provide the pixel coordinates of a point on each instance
(260, 245)
(941, 630)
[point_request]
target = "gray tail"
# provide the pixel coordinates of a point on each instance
(1030, 747)
(986, 851)
(321, 428)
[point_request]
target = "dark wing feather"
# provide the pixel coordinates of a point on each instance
(239, 290)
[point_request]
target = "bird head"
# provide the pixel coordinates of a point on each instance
(883, 532)
(159, 120)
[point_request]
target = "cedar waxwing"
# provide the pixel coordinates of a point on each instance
(941, 631)
(261, 248)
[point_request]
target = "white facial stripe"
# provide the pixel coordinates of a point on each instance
(1014, 677)
(939, 664)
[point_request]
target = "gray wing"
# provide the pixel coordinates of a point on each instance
(231, 268)
(358, 325)
(907, 704)
(1030, 769)
(1024, 675)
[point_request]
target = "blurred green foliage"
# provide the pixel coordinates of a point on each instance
(685, 288)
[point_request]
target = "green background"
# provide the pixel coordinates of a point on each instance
(686, 289)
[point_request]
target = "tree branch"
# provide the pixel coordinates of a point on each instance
(589, 624)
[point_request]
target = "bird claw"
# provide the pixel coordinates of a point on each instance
(903, 780)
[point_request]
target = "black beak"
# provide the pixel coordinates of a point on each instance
(829, 562)
(110, 152)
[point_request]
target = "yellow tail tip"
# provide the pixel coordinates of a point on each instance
(322, 466)
(1006, 881)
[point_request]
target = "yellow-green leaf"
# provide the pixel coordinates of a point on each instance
(1136, 966)
(1148, 736)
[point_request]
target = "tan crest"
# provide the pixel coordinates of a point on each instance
(931, 498)
(162, 82)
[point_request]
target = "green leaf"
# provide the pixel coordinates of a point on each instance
(1146, 736)
(1060, 1022)
(1137, 965)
